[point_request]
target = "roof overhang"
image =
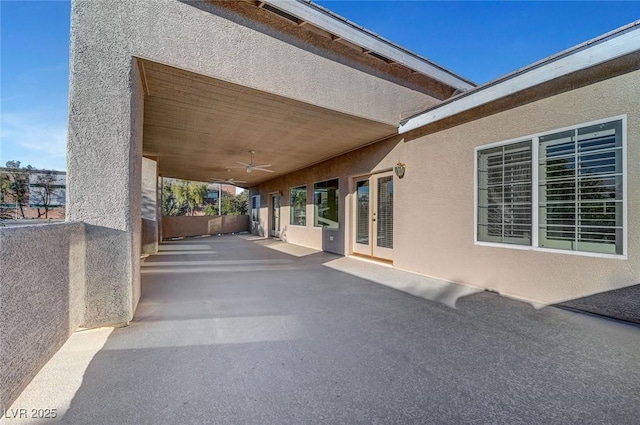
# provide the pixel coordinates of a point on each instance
(610, 46)
(199, 128)
(372, 43)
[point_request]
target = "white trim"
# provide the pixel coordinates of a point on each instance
(550, 250)
(625, 224)
(475, 194)
(535, 160)
(586, 57)
(535, 191)
(368, 41)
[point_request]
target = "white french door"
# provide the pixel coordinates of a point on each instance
(373, 216)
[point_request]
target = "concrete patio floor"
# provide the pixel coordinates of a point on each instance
(240, 330)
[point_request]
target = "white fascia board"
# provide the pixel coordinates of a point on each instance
(604, 51)
(367, 41)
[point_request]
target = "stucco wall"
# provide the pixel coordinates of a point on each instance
(106, 111)
(173, 227)
(440, 166)
(373, 158)
(42, 284)
(434, 202)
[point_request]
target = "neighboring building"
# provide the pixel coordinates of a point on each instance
(214, 189)
(45, 190)
(349, 143)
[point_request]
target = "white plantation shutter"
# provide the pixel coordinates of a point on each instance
(504, 194)
(580, 183)
(384, 227)
(362, 212)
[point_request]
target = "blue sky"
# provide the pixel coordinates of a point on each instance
(478, 40)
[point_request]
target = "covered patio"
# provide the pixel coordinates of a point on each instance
(241, 329)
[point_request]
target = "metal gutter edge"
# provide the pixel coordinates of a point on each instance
(517, 80)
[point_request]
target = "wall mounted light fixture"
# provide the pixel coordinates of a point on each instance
(400, 168)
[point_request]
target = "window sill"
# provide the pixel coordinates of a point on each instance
(551, 250)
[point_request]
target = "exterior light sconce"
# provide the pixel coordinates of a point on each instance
(400, 168)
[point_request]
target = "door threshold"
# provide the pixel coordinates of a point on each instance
(370, 259)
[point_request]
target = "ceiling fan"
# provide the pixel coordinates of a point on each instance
(228, 180)
(250, 166)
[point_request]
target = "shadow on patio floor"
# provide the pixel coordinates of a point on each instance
(621, 304)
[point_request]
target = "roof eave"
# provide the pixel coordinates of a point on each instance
(342, 28)
(607, 47)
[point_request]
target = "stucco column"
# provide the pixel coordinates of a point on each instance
(150, 222)
(104, 158)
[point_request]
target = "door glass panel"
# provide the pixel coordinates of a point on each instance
(362, 212)
(275, 226)
(385, 212)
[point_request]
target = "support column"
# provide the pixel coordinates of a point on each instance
(149, 206)
(104, 160)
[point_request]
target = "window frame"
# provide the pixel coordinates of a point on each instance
(313, 187)
(306, 213)
(535, 144)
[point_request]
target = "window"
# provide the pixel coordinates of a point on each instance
(573, 200)
(298, 205)
(580, 186)
(504, 194)
(326, 202)
(255, 208)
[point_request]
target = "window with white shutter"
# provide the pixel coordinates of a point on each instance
(580, 182)
(572, 200)
(504, 194)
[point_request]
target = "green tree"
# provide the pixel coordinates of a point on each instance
(197, 194)
(43, 193)
(170, 205)
(210, 210)
(189, 194)
(18, 183)
(5, 188)
(235, 204)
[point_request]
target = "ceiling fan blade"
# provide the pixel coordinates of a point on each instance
(263, 169)
(244, 164)
(262, 166)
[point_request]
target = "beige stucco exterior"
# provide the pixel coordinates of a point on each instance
(193, 87)
(434, 202)
(112, 111)
(145, 79)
